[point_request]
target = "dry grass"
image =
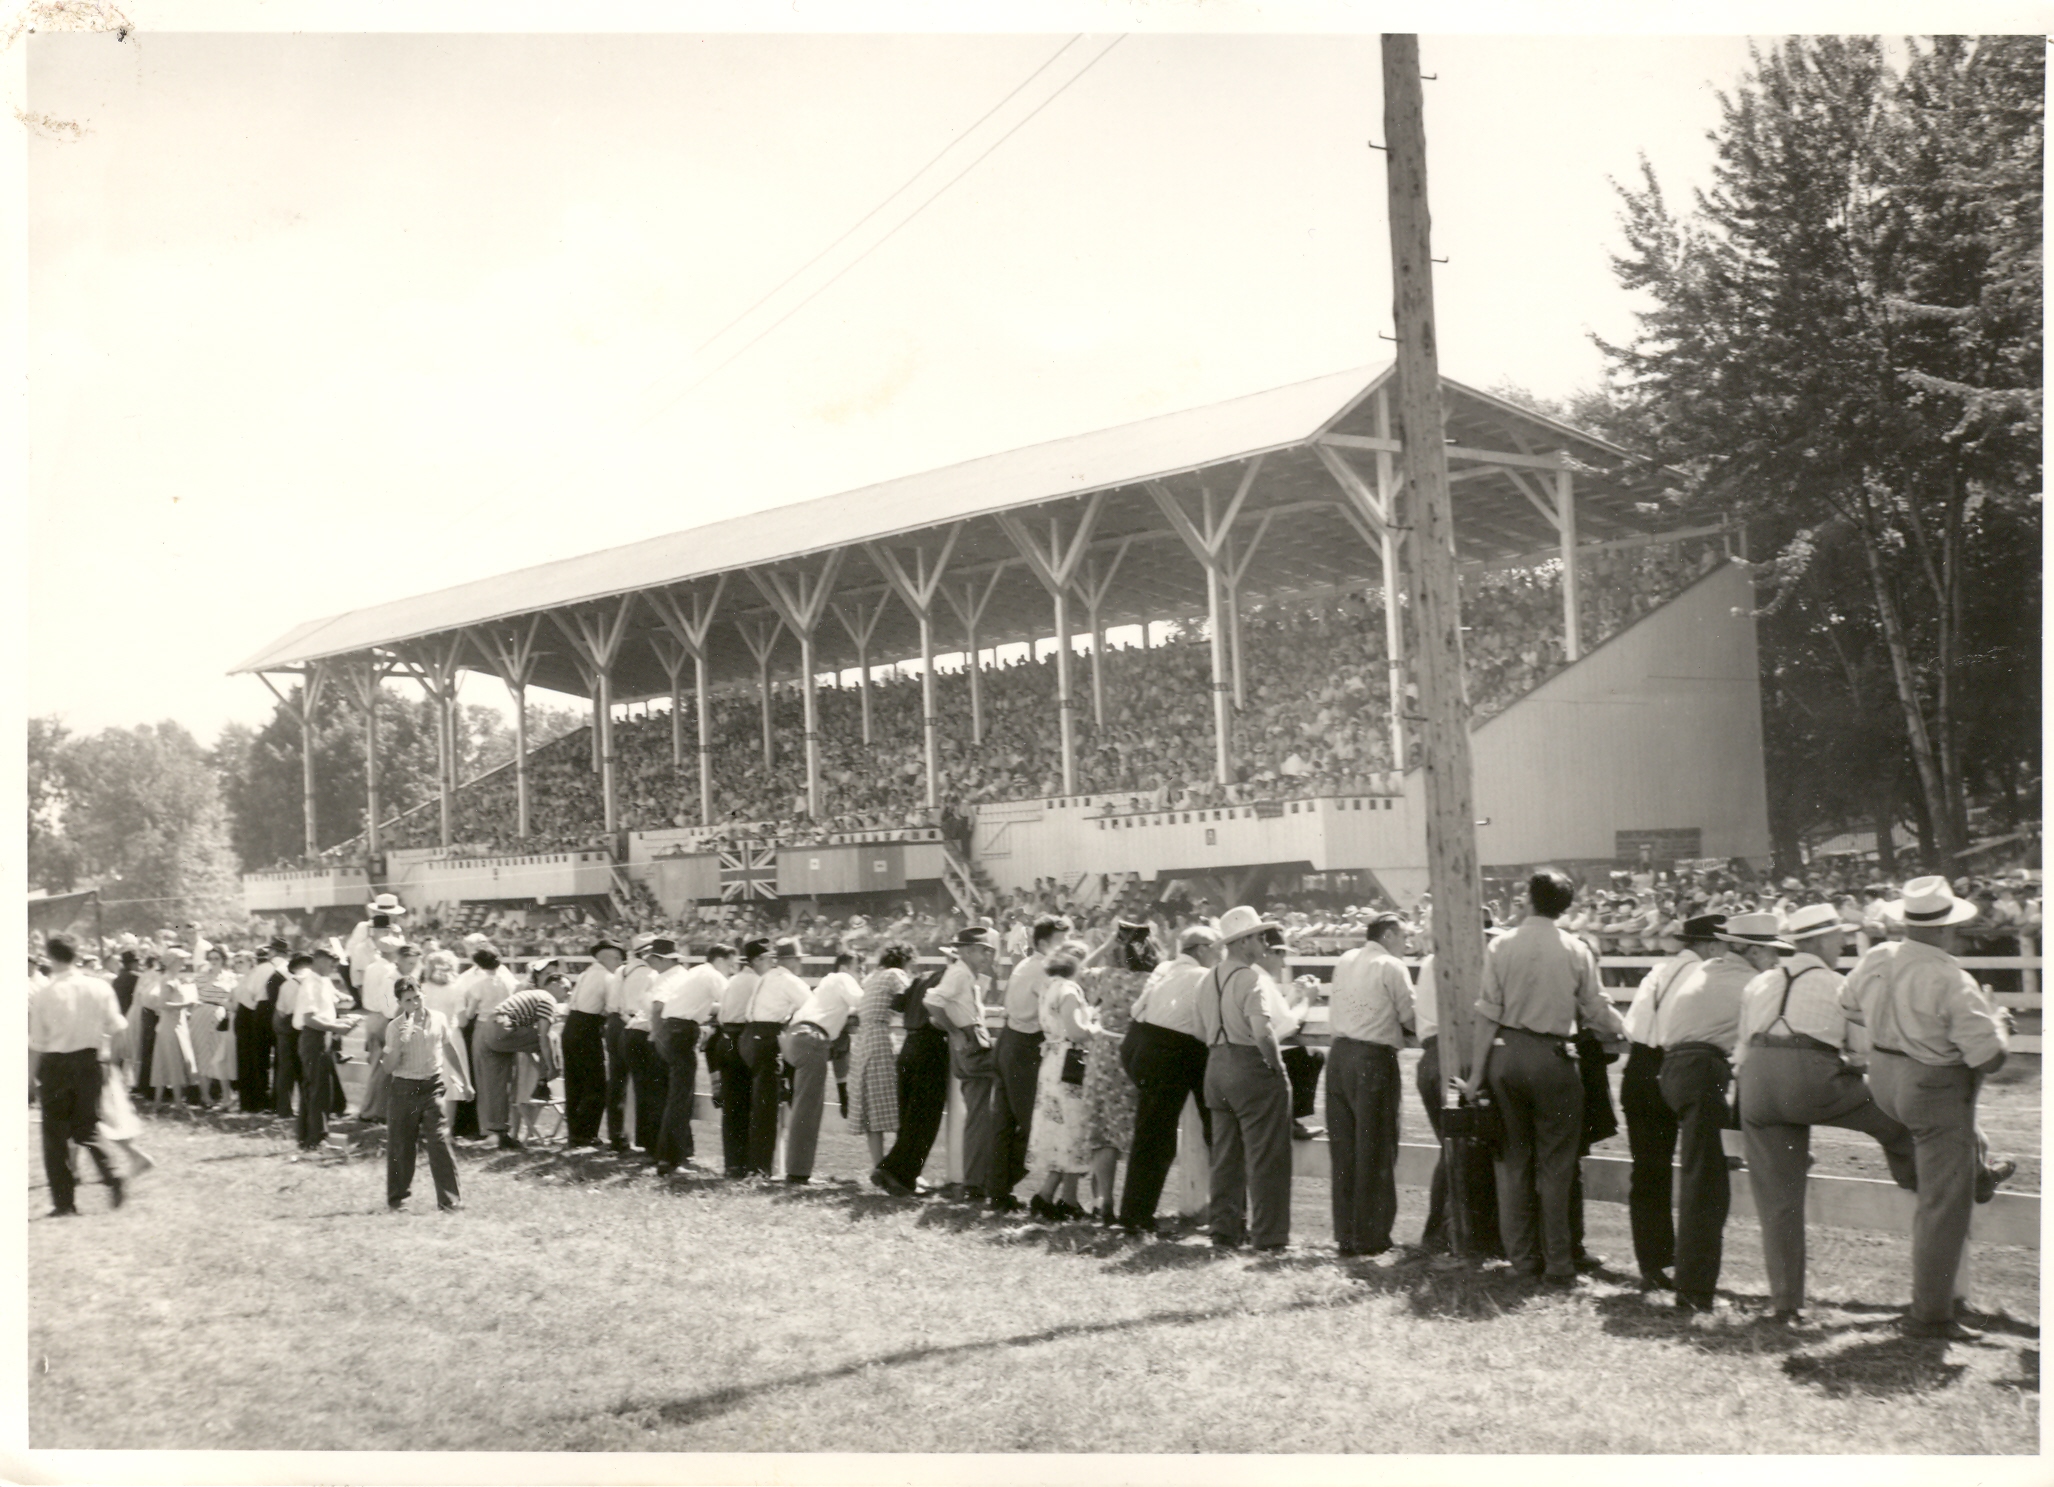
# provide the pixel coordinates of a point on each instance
(580, 1304)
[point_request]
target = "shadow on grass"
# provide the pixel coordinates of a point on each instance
(694, 1408)
(2028, 1372)
(1881, 1368)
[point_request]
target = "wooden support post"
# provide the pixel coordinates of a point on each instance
(761, 637)
(690, 621)
(372, 809)
(1096, 586)
(509, 652)
(1057, 567)
(1572, 589)
(313, 680)
(1207, 541)
(917, 590)
(595, 637)
(800, 600)
(970, 610)
(860, 629)
(1436, 605)
(1394, 581)
(436, 663)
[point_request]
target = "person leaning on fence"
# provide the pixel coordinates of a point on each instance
(690, 999)
(955, 1005)
(1796, 1063)
(515, 1025)
(922, 1088)
(1697, 1029)
(814, 1028)
(1060, 1146)
(1370, 1014)
(423, 1062)
(1935, 1037)
(1017, 1058)
(778, 996)
(1165, 1054)
(1650, 1123)
(648, 1075)
(1248, 1091)
(1540, 984)
(873, 1074)
(72, 1017)
(724, 1056)
(630, 982)
(584, 1045)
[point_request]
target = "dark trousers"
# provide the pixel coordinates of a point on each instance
(146, 1053)
(1651, 1141)
(1540, 1097)
(318, 1086)
(463, 1116)
(1363, 1090)
(1479, 1178)
(1168, 1068)
(616, 1042)
(652, 1087)
(68, 1086)
(584, 1076)
(970, 1061)
(736, 1094)
(413, 1120)
(255, 1041)
(288, 1077)
(681, 1088)
(923, 1100)
(758, 1049)
(1302, 1066)
(1694, 1079)
(1018, 1056)
(1251, 1146)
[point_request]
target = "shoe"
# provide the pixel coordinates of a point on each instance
(511, 1143)
(664, 1169)
(1041, 1208)
(1786, 1318)
(542, 1090)
(1588, 1262)
(1690, 1304)
(1563, 1282)
(1350, 1251)
(1272, 1249)
(1657, 1281)
(62, 1213)
(793, 1181)
(456, 1207)
(117, 1191)
(396, 1205)
(1306, 1131)
(1006, 1203)
(1735, 1163)
(1227, 1244)
(1069, 1212)
(891, 1184)
(617, 1145)
(1944, 1331)
(1992, 1178)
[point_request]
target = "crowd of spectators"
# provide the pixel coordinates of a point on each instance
(1314, 722)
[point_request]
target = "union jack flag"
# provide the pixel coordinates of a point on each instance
(748, 870)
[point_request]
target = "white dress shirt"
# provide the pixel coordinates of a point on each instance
(690, 994)
(736, 996)
(378, 979)
(1372, 997)
(1169, 999)
(829, 1004)
(778, 996)
(316, 998)
(631, 1001)
(1653, 991)
(593, 991)
(1811, 1008)
(71, 1012)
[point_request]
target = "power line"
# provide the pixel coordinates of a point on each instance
(834, 278)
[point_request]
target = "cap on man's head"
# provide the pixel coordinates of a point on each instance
(1703, 926)
(599, 945)
(971, 935)
(752, 949)
(278, 947)
(786, 949)
(1196, 935)
(1812, 919)
(660, 946)
(322, 952)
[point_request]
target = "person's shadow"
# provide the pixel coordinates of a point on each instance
(1880, 1368)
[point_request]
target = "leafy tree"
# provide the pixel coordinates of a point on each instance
(1844, 347)
(52, 860)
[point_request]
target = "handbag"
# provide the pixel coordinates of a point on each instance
(1073, 1066)
(1478, 1120)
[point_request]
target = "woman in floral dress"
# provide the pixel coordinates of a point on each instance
(873, 1066)
(1058, 1145)
(1108, 1092)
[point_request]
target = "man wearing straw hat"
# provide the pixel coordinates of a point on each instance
(1698, 1028)
(1247, 1089)
(1795, 1047)
(1935, 1038)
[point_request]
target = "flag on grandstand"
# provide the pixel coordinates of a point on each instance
(748, 870)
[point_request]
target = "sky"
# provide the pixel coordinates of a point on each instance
(317, 321)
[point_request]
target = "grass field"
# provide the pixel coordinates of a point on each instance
(243, 1300)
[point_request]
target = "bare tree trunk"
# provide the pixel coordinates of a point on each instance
(1933, 789)
(1942, 577)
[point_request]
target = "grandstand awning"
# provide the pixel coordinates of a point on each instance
(1290, 454)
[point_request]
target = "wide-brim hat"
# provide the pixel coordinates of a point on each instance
(973, 934)
(387, 903)
(1755, 929)
(1702, 927)
(1812, 919)
(599, 945)
(1242, 921)
(1930, 903)
(668, 949)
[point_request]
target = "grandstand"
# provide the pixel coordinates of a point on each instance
(1609, 649)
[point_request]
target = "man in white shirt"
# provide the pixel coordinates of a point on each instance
(955, 1006)
(632, 980)
(690, 1000)
(647, 1076)
(1165, 1057)
(584, 1046)
(724, 1056)
(382, 916)
(778, 995)
(1369, 1017)
(805, 1043)
(71, 1017)
(283, 986)
(1017, 1059)
(1793, 1057)
(315, 1015)
(1650, 1123)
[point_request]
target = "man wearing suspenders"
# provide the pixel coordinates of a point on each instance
(1248, 1091)
(1650, 1123)
(1799, 1058)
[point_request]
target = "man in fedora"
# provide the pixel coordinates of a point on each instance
(584, 1045)
(1698, 1027)
(1794, 1051)
(382, 916)
(955, 1006)
(1934, 1038)
(1540, 985)
(1650, 1123)
(1247, 1090)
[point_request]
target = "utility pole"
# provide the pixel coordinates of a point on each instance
(1436, 598)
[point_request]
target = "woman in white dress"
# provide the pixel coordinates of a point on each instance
(1059, 1146)
(213, 1032)
(173, 1068)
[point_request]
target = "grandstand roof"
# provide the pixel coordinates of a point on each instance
(1293, 513)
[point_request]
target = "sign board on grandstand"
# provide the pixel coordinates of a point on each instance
(870, 867)
(1658, 847)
